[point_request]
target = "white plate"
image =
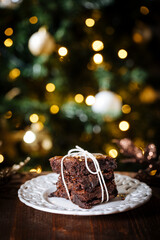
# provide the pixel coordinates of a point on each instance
(34, 193)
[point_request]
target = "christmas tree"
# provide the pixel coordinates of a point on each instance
(77, 73)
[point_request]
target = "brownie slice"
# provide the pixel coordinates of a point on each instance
(84, 187)
(86, 199)
(87, 182)
(76, 165)
(91, 203)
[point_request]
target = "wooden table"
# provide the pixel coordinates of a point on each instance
(20, 222)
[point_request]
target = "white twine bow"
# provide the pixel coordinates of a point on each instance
(78, 151)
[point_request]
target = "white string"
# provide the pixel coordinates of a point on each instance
(78, 151)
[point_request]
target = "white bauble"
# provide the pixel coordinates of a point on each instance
(41, 43)
(9, 3)
(108, 104)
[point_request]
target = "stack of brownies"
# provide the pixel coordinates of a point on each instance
(83, 186)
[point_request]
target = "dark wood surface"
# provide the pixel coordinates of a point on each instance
(20, 222)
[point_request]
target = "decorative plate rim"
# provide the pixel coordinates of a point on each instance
(33, 193)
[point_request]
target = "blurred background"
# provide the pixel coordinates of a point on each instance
(77, 73)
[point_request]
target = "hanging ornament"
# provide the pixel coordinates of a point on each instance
(9, 3)
(9, 171)
(108, 104)
(41, 43)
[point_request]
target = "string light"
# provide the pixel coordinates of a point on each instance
(144, 10)
(29, 137)
(50, 87)
(54, 109)
(98, 58)
(123, 125)
(8, 115)
(8, 42)
(14, 73)
(62, 51)
(113, 153)
(90, 22)
(122, 53)
(97, 45)
(79, 98)
(90, 100)
(33, 20)
(126, 109)
(1, 158)
(34, 118)
(8, 31)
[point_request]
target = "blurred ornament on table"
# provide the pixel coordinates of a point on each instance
(150, 171)
(107, 104)
(9, 171)
(41, 43)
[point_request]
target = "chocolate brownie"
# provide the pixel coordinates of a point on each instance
(76, 165)
(85, 199)
(83, 186)
(87, 182)
(89, 204)
(82, 194)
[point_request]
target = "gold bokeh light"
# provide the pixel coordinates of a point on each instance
(33, 20)
(33, 170)
(90, 22)
(144, 10)
(97, 45)
(122, 53)
(90, 100)
(79, 98)
(36, 170)
(98, 58)
(54, 109)
(39, 169)
(50, 87)
(8, 31)
(8, 42)
(34, 118)
(124, 126)
(8, 115)
(29, 137)
(14, 73)
(126, 109)
(1, 158)
(137, 37)
(113, 153)
(62, 51)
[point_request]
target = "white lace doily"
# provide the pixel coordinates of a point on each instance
(34, 193)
